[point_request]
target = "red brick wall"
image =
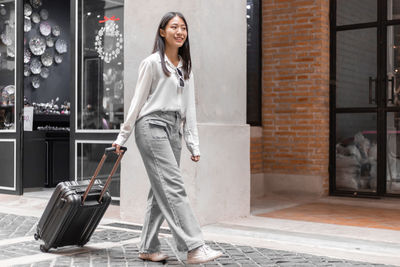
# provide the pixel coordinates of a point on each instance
(295, 76)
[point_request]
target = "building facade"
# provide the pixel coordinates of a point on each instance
(296, 97)
(290, 151)
(329, 99)
(89, 52)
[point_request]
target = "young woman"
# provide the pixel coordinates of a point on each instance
(163, 104)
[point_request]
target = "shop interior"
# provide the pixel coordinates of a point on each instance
(47, 83)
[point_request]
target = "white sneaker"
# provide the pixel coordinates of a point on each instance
(202, 254)
(157, 256)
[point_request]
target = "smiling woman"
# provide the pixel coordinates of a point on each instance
(175, 33)
(163, 108)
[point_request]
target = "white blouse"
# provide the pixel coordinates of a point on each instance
(157, 92)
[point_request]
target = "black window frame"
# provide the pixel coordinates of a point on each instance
(254, 63)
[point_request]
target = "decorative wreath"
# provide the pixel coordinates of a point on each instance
(110, 29)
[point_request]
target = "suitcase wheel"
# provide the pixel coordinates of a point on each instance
(43, 248)
(82, 244)
(36, 236)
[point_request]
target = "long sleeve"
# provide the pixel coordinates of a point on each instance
(190, 131)
(142, 91)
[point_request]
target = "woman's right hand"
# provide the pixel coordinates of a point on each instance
(117, 148)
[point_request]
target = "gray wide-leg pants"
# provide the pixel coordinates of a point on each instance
(159, 141)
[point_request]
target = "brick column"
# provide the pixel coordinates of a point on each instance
(295, 110)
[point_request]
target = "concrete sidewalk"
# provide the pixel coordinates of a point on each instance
(250, 241)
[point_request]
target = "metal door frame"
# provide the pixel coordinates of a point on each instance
(381, 108)
(79, 135)
(17, 136)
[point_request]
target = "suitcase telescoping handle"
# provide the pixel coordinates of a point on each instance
(103, 159)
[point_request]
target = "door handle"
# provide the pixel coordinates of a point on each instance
(371, 80)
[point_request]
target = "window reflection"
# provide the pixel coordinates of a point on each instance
(100, 96)
(393, 153)
(393, 66)
(356, 68)
(356, 11)
(7, 66)
(356, 152)
(88, 158)
(393, 7)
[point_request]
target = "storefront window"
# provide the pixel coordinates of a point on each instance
(88, 157)
(100, 96)
(7, 66)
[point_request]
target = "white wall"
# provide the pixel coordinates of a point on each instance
(219, 185)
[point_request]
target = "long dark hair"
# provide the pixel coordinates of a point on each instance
(183, 51)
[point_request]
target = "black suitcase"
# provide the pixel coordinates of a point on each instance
(75, 209)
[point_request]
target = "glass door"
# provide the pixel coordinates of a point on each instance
(393, 153)
(98, 106)
(355, 51)
(393, 98)
(11, 45)
(365, 118)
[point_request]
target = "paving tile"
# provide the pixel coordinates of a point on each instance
(12, 226)
(340, 214)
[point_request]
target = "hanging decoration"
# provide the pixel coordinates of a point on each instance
(47, 58)
(35, 82)
(58, 58)
(37, 44)
(42, 48)
(27, 9)
(35, 17)
(61, 46)
(3, 11)
(36, 66)
(8, 35)
(49, 41)
(56, 30)
(10, 51)
(27, 71)
(27, 24)
(27, 55)
(45, 28)
(36, 3)
(44, 73)
(8, 39)
(44, 14)
(109, 40)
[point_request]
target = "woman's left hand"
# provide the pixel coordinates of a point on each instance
(195, 158)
